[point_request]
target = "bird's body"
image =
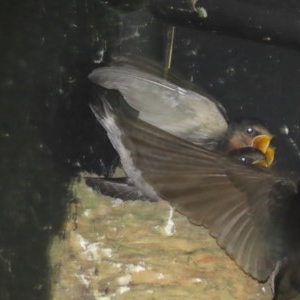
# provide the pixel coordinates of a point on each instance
(251, 211)
(188, 113)
(179, 108)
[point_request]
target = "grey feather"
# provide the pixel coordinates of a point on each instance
(165, 105)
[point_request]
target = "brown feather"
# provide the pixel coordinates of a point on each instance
(233, 200)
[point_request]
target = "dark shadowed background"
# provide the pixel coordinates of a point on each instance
(245, 53)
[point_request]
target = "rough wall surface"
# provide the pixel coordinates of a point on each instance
(136, 249)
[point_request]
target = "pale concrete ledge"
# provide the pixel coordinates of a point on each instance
(133, 250)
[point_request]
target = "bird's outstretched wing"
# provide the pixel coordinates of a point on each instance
(239, 204)
(155, 68)
(182, 112)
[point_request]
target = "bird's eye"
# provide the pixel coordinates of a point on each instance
(250, 130)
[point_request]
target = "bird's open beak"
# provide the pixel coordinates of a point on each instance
(262, 143)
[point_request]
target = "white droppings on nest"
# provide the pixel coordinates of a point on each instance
(124, 280)
(131, 268)
(84, 280)
(170, 227)
(197, 280)
(92, 252)
(114, 229)
(117, 265)
(87, 212)
(107, 252)
(116, 202)
(123, 289)
(160, 276)
(82, 241)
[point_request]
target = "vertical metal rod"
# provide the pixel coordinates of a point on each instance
(169, 49)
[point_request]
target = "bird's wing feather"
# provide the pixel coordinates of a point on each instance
(234, 201)
(155, 68)
(114, 187)
(163, 104)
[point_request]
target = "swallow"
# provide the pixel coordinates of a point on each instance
(181, 108)
(253, 212)
(123, 187)
(178, 107)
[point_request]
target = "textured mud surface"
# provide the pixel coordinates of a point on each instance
(136, 249)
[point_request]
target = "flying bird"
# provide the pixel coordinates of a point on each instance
(253, 212)
(188, 113)
(181, 108)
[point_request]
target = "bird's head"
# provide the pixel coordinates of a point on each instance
(250, 133)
